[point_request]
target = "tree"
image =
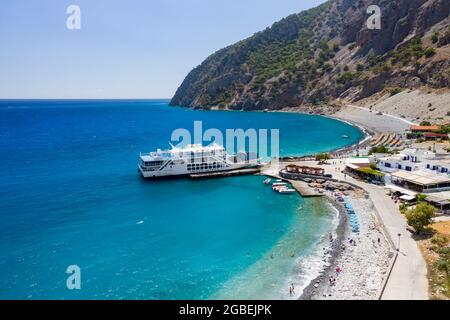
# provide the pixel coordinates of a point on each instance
(322, 157)
(445, 129)
(425, 123)
(421, 197)
(420, 217)
(379, 149)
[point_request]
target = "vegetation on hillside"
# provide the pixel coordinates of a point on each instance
(436, 249)
(317, 56)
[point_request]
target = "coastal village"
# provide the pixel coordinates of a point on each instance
(393, 194)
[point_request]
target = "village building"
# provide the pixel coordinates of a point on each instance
(438, 166)
(421, 181)
(408, 160)
(424, 129)
(431, 136)
(360, 168)
(305, 170)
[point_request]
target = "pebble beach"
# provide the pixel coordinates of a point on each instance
(356, 264)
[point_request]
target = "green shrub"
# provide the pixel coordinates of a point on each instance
(323, 157)
(379, 149)
(435, 37)
(420, 217)
(421, 197)
(403, 208)
(429, 52)
(394, 91)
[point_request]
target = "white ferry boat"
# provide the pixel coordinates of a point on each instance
(192, 159)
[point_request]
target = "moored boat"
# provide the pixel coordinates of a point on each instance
(287, 191)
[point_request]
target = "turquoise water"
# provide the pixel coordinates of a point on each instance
(70, 195)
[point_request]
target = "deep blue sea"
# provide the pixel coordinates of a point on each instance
(70, 194)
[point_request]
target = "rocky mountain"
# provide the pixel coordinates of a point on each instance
(326, 55)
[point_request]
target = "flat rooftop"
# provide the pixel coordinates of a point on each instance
(360, 160)
(422, 177)
(424, 128)
(440, 195)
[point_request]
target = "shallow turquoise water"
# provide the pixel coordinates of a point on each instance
(70, 195)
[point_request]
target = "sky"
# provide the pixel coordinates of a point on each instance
(125, 49)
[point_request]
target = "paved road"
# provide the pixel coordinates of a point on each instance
(408, 280)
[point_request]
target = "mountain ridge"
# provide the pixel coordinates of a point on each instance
(326, 56)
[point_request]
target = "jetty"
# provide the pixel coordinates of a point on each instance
(305, 190)
(232, 173)
(302, 187)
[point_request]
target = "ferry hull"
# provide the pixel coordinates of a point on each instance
(167, 174)
(192, 160)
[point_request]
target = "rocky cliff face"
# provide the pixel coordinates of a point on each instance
(327, 54)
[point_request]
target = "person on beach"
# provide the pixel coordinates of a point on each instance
(338, 270)
(290, 291)
(293, 288)
(332, 281)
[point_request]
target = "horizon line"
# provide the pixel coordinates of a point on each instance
(81, 99)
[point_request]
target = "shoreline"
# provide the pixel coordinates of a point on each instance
(318, 287)
(333, 251)
(365, 263)
(401, 268)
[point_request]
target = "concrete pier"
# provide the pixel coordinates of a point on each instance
(305, 190)
(302, 187)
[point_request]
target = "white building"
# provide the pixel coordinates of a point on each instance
(438, 166)
(408, 160)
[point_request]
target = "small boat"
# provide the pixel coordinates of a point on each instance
(345, 136)
(287, 191)
(267, 181)
(279, 184)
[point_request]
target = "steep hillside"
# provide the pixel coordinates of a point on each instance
(326, 55)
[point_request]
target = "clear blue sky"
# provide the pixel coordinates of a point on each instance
(125, 48)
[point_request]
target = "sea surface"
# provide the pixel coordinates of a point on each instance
(70, 194)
